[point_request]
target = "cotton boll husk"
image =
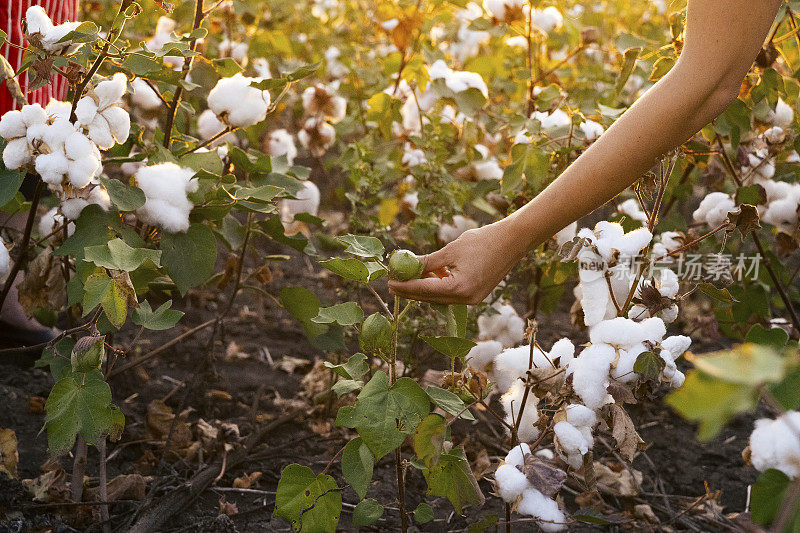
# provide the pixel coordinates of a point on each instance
(307, 202)
(37, 21)
(144, 97)
(591, 130)
(516, 456)
(483, 353)
(316, 136)
(450, 232)
(590, 374)
(537, 505)
(501, 8)
(280, 142)
(17, 153)
(510, 482)
(776, 444)
(12, 125)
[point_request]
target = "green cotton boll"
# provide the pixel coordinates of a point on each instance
(376, 334)
(88, 353)
(404, 265)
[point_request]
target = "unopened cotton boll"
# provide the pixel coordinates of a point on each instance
(483, 353)
(547, 19)
(450, 232)
(776, 444)
(238, 104)
(591, 130)
(714, 209)
(510, 482)
(546, 511)
(165, 187)
(144, 97)
(307, 201)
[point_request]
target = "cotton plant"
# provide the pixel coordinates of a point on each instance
(305, 201)
(457, 80)
(511, 364)
(507, 10)
(714, 209)
(316, 136)
(322, 101)
(573, 436)
(412, 156)
(503, 325)
(144, 97)
(163, 35)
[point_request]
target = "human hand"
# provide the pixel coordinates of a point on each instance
(466, 270)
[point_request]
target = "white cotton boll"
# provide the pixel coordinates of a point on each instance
(591, 130)
(450, 232)
(782, 115)
(261, 68)
(144, 97)
(37, 21)
(119, 122)
(668, 284)
(165, 187)
(505, 326)
(516, 456)
(623, 332)
(50, 221)
(512, 364)
(86, 110)
(510, 482)
(570, 441)
(502, 9)
(545, 454)
(100, 133)
(580, 416)
(564, 351)
(483, 353)
(460, 81)
(611, 236)
(390, 24)
(413, 157)
(590, 374)
(670, 314)
(56, 109)
(566, 234)
(775, 135)
(488, 169)
(208, 125)
(99, 196)
(33, 114)
(321, 100)
(512, 402)
(72, 207)
(595, 298)
(110, 92)
(556, 119)
(307, 202)
(676, 345)
(12, 125)
(671, 240)
(165, 25)
(5, 261)
(439, 70)
(782, 213)
(237, 103)
(631, 208)
(714, 209)
(623, 371)
(517, 41)
(280, 142)
(17, 153)
(677, 380)
(547, 19)
(52, 40)
(535, 504)
(52, 167)
(776, 444)
(316, 136)
(793, 157)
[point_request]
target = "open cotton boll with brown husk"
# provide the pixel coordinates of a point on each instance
(51, 221)
(316, 136)
(507, 10)
(714, 208)
(412, 156)
(281, 143)
(511, 401)
(547, 19)
(322, 101)
(458, 80)
(41, 32)
(237, 103)
(657, 297)
(573, 434)
(102, 115)
(512, 364)
(66, 155)
(306, 201)
(166, 186)
(782, 115)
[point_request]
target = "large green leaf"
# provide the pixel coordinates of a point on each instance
(309, 502)
(767, 495)
(354, 269)
(189, 257)
(449, 402)
(429, 439)
(124, 197)
(362, 246)
(117, 255)
(452, 347)
(345, 314)
(94, 227)
(110, 293)
(357, 465)
(748, 364)
(367, 512)
(451, 478)
(160, 319)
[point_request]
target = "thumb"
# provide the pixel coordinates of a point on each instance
(435, 261)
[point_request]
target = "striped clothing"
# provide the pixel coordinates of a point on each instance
(11, 15)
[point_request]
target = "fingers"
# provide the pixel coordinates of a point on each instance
(437, 261)
(433, 289)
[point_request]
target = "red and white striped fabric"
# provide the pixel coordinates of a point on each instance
(11, 15)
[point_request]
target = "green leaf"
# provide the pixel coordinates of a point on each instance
(711, 291)
(265, 193)
(489, 521)
(189, 257)
(117, 255)
(470, 101)
(449, 402)
(345, 314)
(451, 478)
(423, 513)
(767, 495)
(158, 320)
(57, 358)
(628, 64)
(300, 302)
(787, 392)
(649, 366)
(350, 268)
(747, 364)
(429, 439)
(354, 368)
(310, 503)
(661, 67)
(452, 347)
(367, 512)
(362, 246)
(357, 465)
(710, 402)
(106, 292)
(124, 197)
(10, 180)
(774, 337)
(94, 227)
(79, 404)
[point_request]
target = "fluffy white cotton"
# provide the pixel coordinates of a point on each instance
(488, 169)
(101, 114)
(782, 116)
(235, 50)
(73, 156)
(316, 136)
(556, 119)
(631, 208)
(610, 237)
(163, 35)
(508, 10)
(307, 201)
(261, 68)
(165, 187)
(280, 142)
(209, 126)
(776, 444)
(5, 261)
(238, 104)
(671, 349)
(20, 129)
(571, 443)
(667, 284)
(484, 353)
(457, 80)
(512, 364)
(51, 221)
(144, 97)
(591, 130)
(623, 332)
(505, 326)
(323, 102)
(511, 482)
(546, 511)
(38, 24)
(714, 209)
(566, 234)
(775, 135)
(516, 456)
(413, 157)
(72, 207)
(590, 377)
(512, 403)
(450, 232)
(547, 19)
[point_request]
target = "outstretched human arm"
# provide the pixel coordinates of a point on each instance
(722, 40)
